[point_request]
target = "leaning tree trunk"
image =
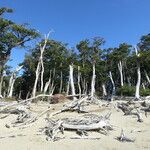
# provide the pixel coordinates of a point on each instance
(47, 84)
(93, 82)
(147, 77)
(72, 80)
(40, 67)
(113, 84)
(121, 72)
(137, 91)
(36, 79)
(12, 81)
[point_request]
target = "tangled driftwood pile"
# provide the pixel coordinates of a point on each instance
(80, 124)
(136, 108)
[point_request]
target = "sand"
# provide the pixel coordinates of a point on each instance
(31, 138)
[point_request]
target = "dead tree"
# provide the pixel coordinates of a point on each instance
(93, 82)
(72, 80)
(1, 83)
(121, 72)
(113, 84)
(12, 81)
(40, 67)
(79, 77)
(137, 92)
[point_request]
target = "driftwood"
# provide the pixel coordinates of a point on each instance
(123, 138)
(135, 108)
(90, 122)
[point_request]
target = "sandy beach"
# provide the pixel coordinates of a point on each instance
(31, 138)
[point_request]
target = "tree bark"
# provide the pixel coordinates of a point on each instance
(12, 81)
(147, 77)
(1, 83)
(48, 83)
(121, 72)
(93, 82)
(79, 76)
(72, 80)
(40, 67)
(137, 91)
(113, 84)
(104, 90)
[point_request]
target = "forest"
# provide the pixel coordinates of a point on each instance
(90, 78)
(122, 70)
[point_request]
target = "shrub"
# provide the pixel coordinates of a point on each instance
(126, 91)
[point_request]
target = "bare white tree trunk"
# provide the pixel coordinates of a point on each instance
(137, 91)
(147, 77)
(27, 96)
(12, 81)
(113, 84)
(1, 83)
(72, 80)
(79, 77)
(93, 82)
(104, 90)
(68, 86)
(36, 79)
(42, 74)
(61, 82)
(40, 67)
(121, 72)
(143, 85)
(48, 82)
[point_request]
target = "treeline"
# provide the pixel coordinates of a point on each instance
(123, 70)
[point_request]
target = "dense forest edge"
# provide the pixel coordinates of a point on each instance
(50, 67)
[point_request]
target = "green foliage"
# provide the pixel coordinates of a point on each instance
(145, 92)
(126, 91)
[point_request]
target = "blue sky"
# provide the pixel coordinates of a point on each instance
(116, 21)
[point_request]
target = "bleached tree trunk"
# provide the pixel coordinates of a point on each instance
(40, 67)
(137, 91)
(68, 86)
(121, 72)
(72, 80)
(93, 82)
(12, 81)
(143, 85)
(79, 77)
(147, 77)
(48, 82)
(61, 81)
(104, 89)
(113, 84)
(42, 74)
(36, 79)
(1, 83)
(20, 93)
(28, 94)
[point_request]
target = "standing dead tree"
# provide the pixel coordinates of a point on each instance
(137, 92)
(12, 81)
(113, 84)
(40, 67)
(93, 82)
(121, 72)
(1, 83)
(72, 80)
